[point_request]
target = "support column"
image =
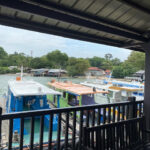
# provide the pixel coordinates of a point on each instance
(58, 101)
(147, 85)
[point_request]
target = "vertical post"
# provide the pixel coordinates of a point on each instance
(58, 101)
(147, 85)
(132, 107)
(0, 126)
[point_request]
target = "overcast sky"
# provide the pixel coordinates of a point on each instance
(13, 39)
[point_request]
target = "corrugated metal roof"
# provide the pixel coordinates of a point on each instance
(121, 23)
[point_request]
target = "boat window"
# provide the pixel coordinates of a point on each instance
(110, 94)
(103, 93)
(54, 99)
(89, 95)
(64, 94)
(124, 93)
(41, 102)
(28, 102)
(72, 100)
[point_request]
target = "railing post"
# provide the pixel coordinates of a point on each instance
(132, 107)
(0, 127)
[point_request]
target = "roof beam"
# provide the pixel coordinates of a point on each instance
(74, 12)
(129, 45)
(37, 10)
(136, 6)
(20, 23)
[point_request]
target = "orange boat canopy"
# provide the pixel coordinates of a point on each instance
(75, 88)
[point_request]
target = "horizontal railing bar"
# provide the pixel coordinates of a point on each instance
(139, 102)
(115, 123)
(60, 110)
(44, 143)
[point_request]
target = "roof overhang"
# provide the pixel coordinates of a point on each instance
(120, 23)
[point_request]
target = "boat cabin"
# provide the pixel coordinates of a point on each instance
(118, 94)
(28, 95)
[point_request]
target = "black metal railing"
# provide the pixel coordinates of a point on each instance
(70, 123)
(127, 134)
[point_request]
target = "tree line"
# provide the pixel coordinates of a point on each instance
(74, 66)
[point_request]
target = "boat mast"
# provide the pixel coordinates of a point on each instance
(21, 72)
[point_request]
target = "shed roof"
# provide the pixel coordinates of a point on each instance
(74, 88)
(121, 23)
(57, 71)
(141, 71)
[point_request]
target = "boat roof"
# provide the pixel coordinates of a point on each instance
(99, 86)
(30, 88)
(112, 88)
(129, 89)
(134, 84)
(74, 88)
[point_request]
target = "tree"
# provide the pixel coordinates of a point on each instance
(57, 59)
(108, 56)
(3, 53)
(123, 70)
(38, 63)
(18, 59)
(77, 66)
(136, 60)
(96, 61)
(116, 62)
(107, 64)
(118, 72)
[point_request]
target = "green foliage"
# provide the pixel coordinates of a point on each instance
(107, 64)
(74, 66)
(118, 72)
(115, 62)
(135, 62)
(57, 59)
(14, 70)
(38, 63)
(96, 61)
(18, 59)
(122, 70)
(77, 66)
(3, 53)
(4, 70)
(108, 56)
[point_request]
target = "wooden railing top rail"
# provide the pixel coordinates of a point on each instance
(61, 110)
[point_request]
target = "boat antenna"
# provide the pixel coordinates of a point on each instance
(110, 76)
(21, 72)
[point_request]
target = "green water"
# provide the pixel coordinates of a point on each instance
(37, 133)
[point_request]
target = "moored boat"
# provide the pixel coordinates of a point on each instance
(28, 96)
(73, 94)
(118, 91)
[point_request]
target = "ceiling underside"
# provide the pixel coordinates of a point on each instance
(120, 23)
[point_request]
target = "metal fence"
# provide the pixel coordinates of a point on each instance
(70, 124)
